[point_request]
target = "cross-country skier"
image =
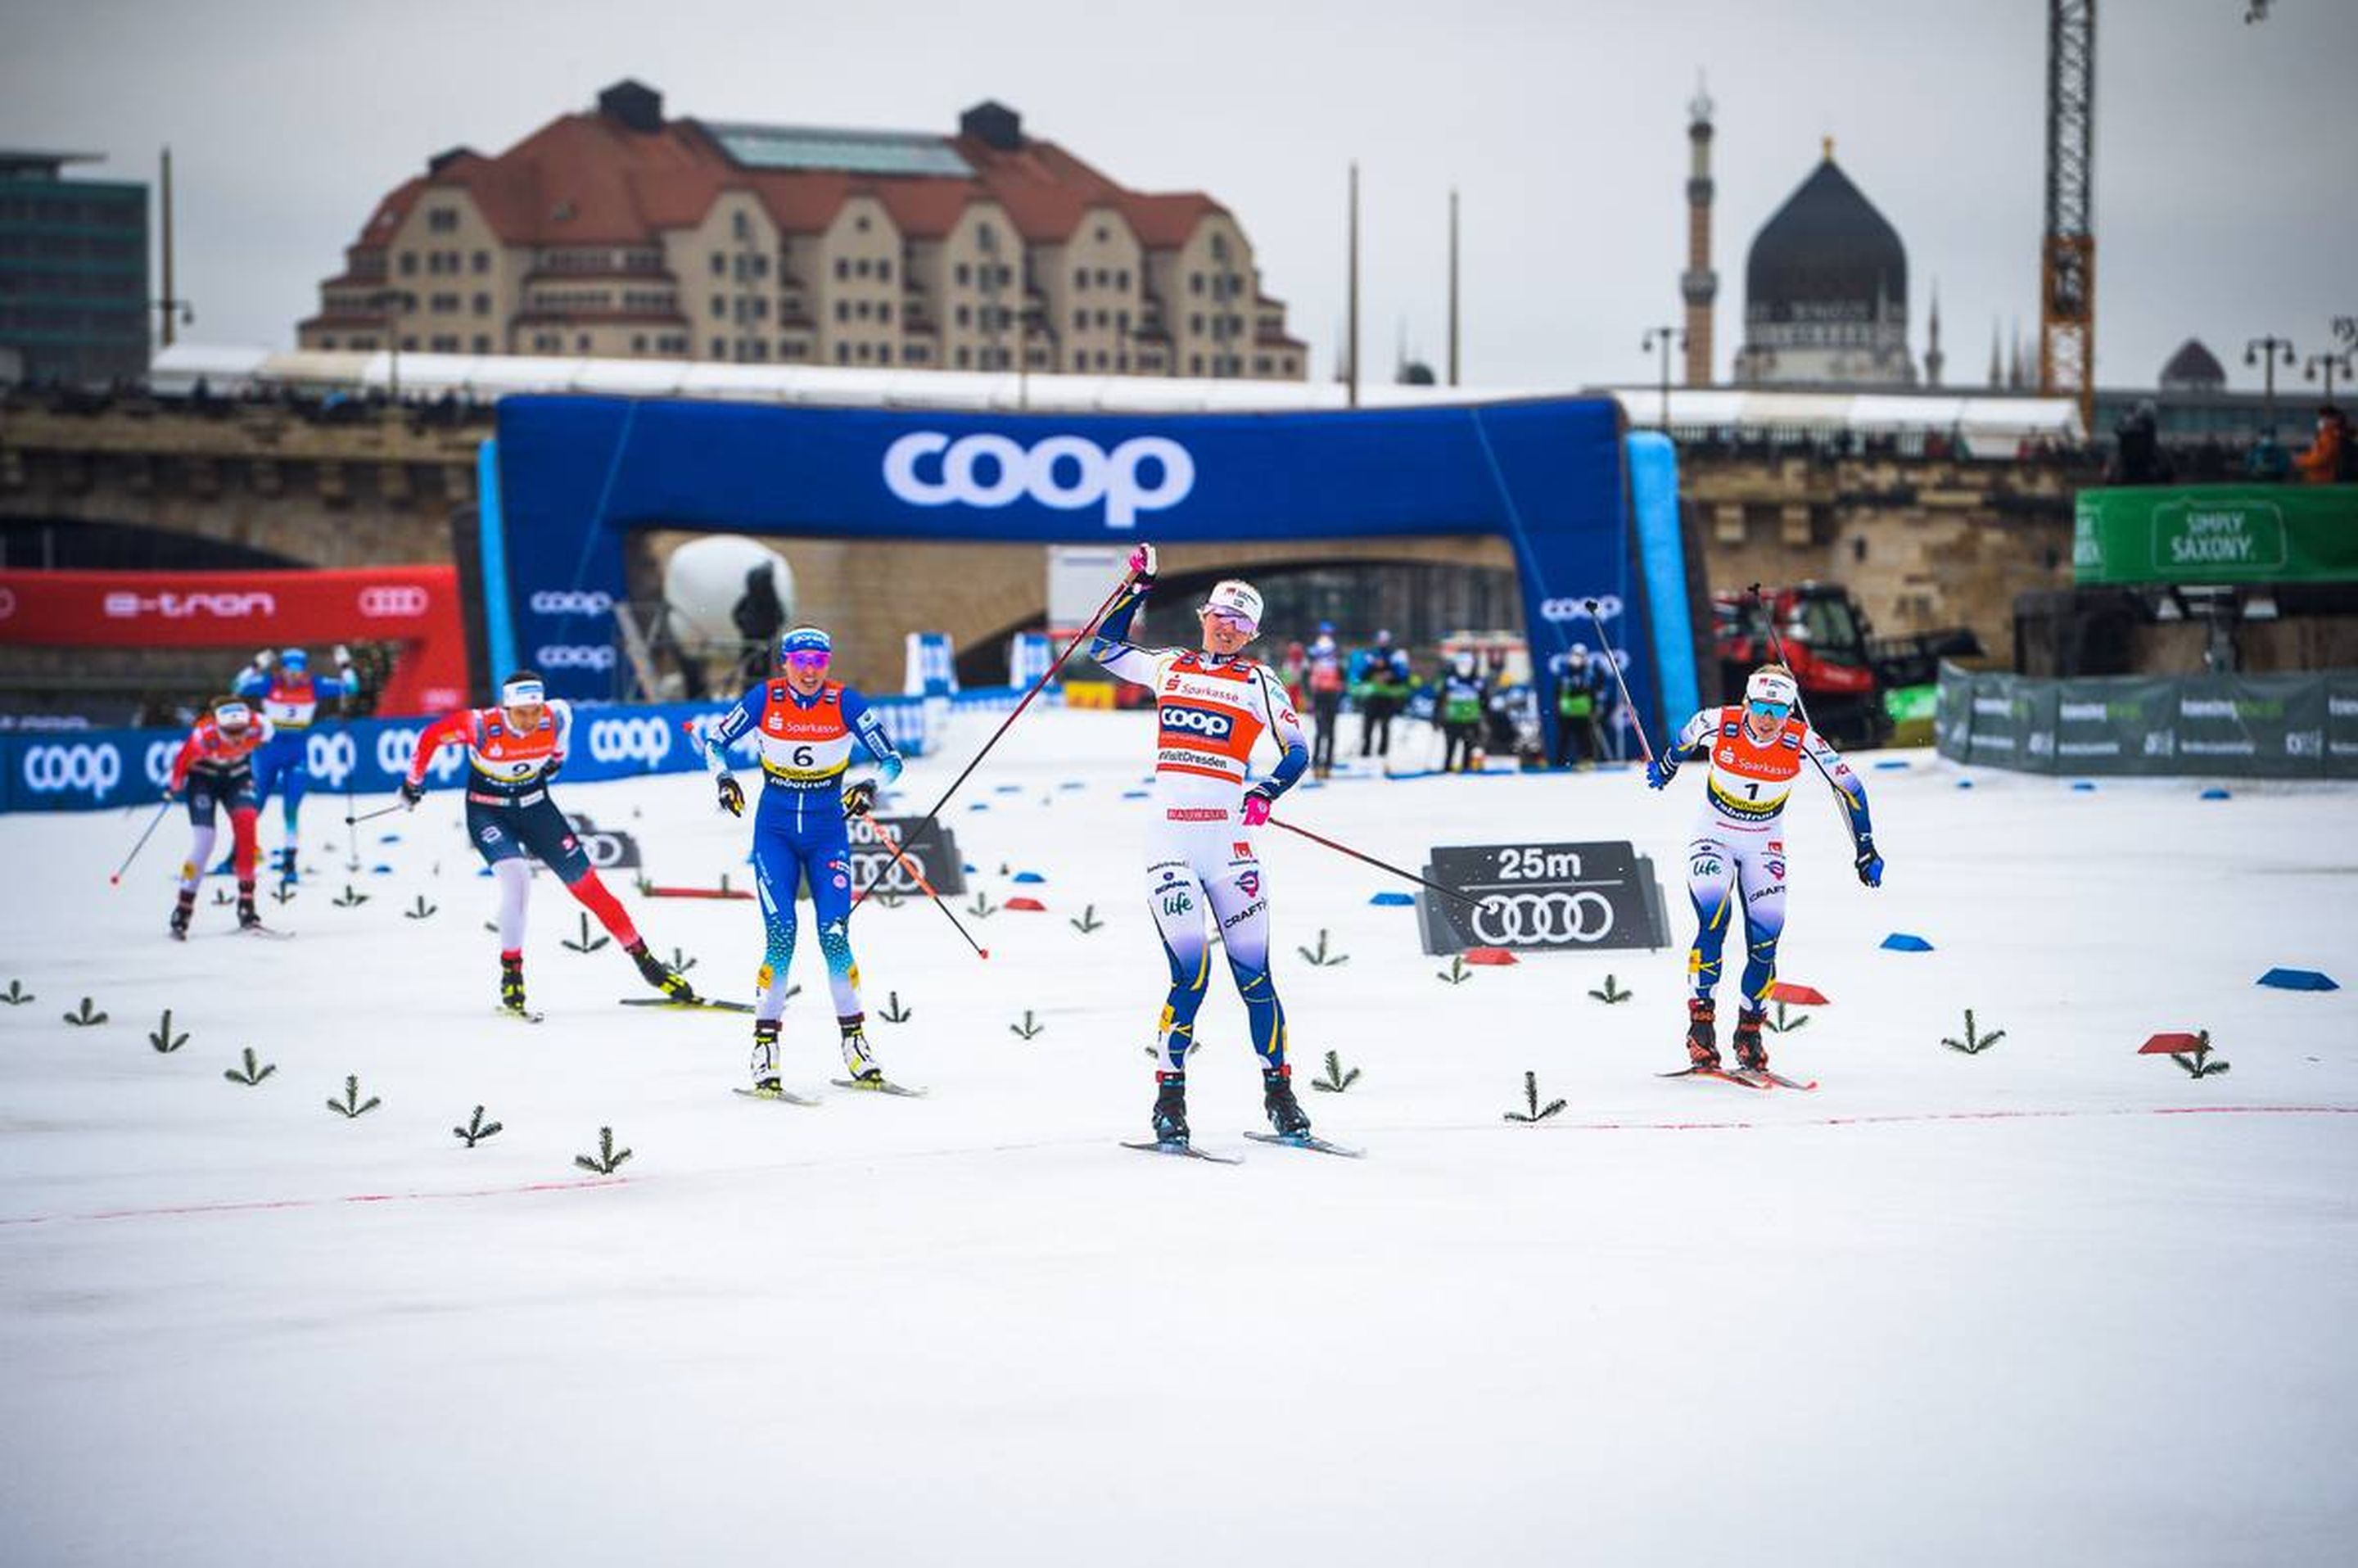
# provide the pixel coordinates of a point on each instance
(806, 725)
(1325, 683)
(1212, 705)
(513, 751)
(215, 764)
(289, 697)
(1736, 859)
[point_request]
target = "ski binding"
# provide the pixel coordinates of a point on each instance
(780, 1097)
(878, 1087)
(1184, 1150)
(1307, 1140)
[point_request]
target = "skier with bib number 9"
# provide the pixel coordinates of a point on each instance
(1211, 706)
(806, 726)
(1736, 858)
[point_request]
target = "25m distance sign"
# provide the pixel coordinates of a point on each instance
(1540, 896)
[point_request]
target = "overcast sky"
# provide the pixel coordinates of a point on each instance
(2226, 154)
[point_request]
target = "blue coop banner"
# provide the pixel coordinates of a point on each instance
(576, 473)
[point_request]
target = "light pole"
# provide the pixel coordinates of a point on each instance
(389, 301)
(2329, 364)
(2261, 351)
(1665, 338)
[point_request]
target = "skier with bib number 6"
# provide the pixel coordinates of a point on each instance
(1211, 706)
(1736, 858)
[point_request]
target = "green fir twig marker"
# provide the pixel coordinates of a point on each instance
(1322, 958)
(16, 995)
(1026, 1029)
(1784, 1023)
(1089, 921)
(887, 897)
(476, 1130)
(2197, 1062)
(982, 908)
(352, 1105)
(647, 886)
(223, 898)
(681, 962)
(421, 910)
(163, 1039)
(350, 898)
(1537, 1113)
(86, 1017)
(255, 1071)
(589, 943)
(284, 894)
(607, 1157)
(892, 1012)
(724, 882)
(492, 927)
(1974, 1042)
(1458, 974)
(1611, 993)
(1336, 1080)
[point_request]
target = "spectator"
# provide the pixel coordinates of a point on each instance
(758, 616)
(2267, 461)
(1460, 713)
(1378, 686)
(1324, 674)
(1578, 704)
(2137, 457)
(2328, 459)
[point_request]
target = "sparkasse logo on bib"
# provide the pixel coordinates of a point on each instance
(1066, 472)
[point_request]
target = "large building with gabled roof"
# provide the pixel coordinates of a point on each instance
(619, 233)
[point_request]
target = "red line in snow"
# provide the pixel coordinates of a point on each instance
(263, 1204)
(1920, 1116)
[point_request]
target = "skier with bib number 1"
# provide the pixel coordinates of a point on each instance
(1736, 858)
(1211, 706)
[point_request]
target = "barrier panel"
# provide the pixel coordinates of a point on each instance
(89, 770)
(2302, 725)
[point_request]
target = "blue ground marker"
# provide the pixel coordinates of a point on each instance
(1901, 942)
(1394, 899)
(2299, 980)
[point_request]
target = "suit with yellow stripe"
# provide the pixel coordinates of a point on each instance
(798, 830)
(1736, 858)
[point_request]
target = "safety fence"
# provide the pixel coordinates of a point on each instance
(87, 770)
(2299, 726)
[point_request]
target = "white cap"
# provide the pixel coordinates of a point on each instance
(1772, 685)
(1235, 599)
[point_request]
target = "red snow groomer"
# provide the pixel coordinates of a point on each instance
(1842, 668)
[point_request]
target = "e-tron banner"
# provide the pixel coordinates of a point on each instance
(574, 473)
(1542, 896)
(88, 770)
(416, 607)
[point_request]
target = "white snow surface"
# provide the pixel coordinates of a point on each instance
(1946, 1309)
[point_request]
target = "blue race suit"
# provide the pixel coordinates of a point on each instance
(798, 829)
(291, 703)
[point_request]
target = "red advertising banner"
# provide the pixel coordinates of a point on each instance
(416, 607)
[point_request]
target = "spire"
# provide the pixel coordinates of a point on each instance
(1996, 376)
(1699, 285)
(1934, 357)
(1828, 143)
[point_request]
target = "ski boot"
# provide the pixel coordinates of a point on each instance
(1285, 1112)
(248, 918)
(1750, 1054)
(512, 983)
(1171, 1108)
(766, 1056)
(284, 865)
(858, 1064)
(181, 912)
(660, 975)
(1702, 1037)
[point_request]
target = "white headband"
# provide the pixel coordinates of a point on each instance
(522, 692)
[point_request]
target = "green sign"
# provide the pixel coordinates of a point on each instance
(2217, 534)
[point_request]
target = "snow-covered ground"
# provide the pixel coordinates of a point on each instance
(1946, 1309)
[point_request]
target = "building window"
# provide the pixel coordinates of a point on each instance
(1105, 318)
(408, 264)
(581, 343)
(842, 267)
(885, 311)
(441, 219)
(482, 261)
(1121, 280)
(1121, 363)
(1080, 320)
(963, 274)
(720, 308)
(1194, 364)
(860, 222)
(720, 264)
(483, 305)
(1080, 277)
(965, 318)
(964, 358)
(1194, 283)
(482, 343)
(328, 342)
(1289, 365)
(843, 353)
(915, 353)
(843, 310)
(860, 267)
(738, 226)
(1260, 365)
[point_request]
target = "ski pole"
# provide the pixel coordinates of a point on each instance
(1464, 898)
(1045, 676)
(1614, 659)
(370, 816)
(1778, 643)
(162, 809)
(901, 857)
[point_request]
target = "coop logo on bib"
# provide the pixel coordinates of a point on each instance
(1201, 721)
(926, 468)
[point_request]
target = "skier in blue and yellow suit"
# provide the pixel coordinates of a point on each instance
(806, 725)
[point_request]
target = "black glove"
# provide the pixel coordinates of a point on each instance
(412, 792)
(732, 796)
(1870, 863)
(549, 769)
(857, 798)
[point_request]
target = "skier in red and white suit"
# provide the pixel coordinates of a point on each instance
(1737, 859)
(1211, 706)
(215, 765)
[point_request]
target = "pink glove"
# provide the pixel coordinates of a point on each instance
(1141, 562)
(1256, 807)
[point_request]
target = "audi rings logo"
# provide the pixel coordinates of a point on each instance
(564, 601)
(329, 756)
(1066, 472)
(383, 601)
(77, 770)
(573, 656)
(644, 740)
(1608, 605)
(1505, 919)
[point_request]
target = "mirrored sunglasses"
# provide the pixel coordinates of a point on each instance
(1772, 709)
(808, 659)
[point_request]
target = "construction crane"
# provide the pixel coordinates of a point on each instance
(2067, 251)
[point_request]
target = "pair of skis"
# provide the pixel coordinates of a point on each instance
(1285, 1140)
(863, 1086)
(1745, 1077)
